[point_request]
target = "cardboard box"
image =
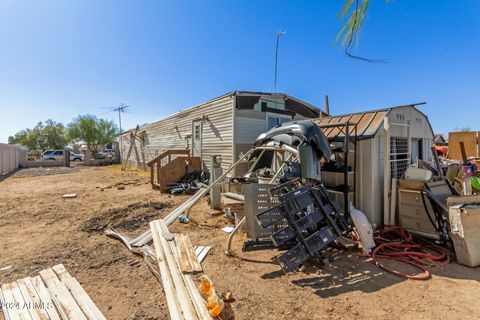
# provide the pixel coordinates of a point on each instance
(411, 184)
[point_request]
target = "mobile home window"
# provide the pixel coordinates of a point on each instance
(273, 120)
(197, 132)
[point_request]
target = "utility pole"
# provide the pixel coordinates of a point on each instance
(121, 108)
(279, 34)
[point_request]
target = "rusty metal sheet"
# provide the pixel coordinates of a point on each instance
(367, 123)
(338, 130)
(364, 122)
(326, 131)
(375, 123)
(354, 119)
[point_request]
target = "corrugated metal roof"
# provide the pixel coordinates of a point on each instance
(366, 124)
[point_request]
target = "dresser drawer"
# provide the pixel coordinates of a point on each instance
(410, 197)
(420, 225)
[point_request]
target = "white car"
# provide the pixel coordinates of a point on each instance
(52, 155)
(58, 155)
(106, 154)
(76, 156)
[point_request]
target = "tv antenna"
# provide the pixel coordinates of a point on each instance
(120, 109)
(278, 35)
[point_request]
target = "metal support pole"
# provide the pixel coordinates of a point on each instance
(346, 209)
(230, 237)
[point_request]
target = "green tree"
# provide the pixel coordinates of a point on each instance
(350, 33)
(92, 131)
(50, 135)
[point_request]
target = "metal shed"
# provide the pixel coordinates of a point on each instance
(227, 125)
(387, 142)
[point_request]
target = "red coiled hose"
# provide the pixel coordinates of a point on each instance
(395, 243)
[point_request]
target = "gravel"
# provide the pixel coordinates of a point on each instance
(41, 171)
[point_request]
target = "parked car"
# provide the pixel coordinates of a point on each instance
(106, 154)
(76, 156)
(52, 155)
(58, 155)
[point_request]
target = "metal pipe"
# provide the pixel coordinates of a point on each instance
(327, 105)
(244, 219)
(175, 214)
(256, 161)
(281, 168)
(346, 208)
(230, 237)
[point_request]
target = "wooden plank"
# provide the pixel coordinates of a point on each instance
(64, 301)
(36, 309)
(82, 298)
(203, 254)
(10, 309)
(393, 203)
(198, 302)
(45, 298)
(183, 257)
(167, 282)
(469, 139)
(18, 309)
(3, 306)
(198, 249)
(386, 172)
(196, 266)
(182, 293)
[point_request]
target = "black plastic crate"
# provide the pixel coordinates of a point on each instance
(293, 258)
(271, 216)
(320, 239)
(282, 236)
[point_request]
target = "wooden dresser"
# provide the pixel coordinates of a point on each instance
(412, 215)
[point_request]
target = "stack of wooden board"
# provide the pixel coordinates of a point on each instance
(187, 257)
(54, 294)
(201, 252)
(183, 298)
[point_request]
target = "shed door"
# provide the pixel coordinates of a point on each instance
(417, 149)
(197, 138)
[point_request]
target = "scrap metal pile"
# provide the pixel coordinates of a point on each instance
(313, 221)
(304, 219)
(188, 184)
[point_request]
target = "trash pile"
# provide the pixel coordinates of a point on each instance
(189, 184)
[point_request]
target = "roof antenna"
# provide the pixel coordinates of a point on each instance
(279, 34)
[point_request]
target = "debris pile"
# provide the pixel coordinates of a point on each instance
(189, 184)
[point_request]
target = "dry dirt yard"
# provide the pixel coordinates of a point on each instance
(38, 229)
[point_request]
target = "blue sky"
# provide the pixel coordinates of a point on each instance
(62, 58)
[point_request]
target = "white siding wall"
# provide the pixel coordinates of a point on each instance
(249, 125)
(369, 175)
(11, 157)
(171, 132)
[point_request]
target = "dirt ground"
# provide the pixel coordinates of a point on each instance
(38, 229)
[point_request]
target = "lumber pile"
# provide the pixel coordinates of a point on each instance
(176, 260)
(54, 294)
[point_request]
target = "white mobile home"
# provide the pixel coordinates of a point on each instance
(388, 141)
(226, 126)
